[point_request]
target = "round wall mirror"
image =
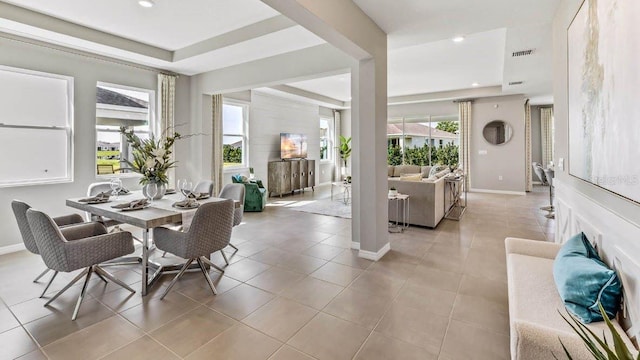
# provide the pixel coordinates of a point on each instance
(497, 132)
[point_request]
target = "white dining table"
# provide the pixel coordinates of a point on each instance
(160, 212)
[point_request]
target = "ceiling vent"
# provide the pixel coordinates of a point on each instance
(522, 53)
(513, 83)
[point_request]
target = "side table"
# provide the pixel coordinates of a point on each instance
(400, 199)
(453, 205)
(346, 192)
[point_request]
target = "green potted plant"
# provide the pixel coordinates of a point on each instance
(597, 346)
(345, 151)
(151, 158)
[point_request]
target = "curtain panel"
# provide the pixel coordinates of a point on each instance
(166, 115)
(337, 176)
(217, 162)
(464, 113)
(528, 150)
(546, 124)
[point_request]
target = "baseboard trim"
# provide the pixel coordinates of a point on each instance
(503, 192)
(11, 249)
(355, 245)
(375, 256)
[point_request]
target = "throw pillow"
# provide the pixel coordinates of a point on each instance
(425, 170)
(411, 177)
(436, 169)
(583, 280)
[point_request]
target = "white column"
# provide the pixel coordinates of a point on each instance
(369, 166)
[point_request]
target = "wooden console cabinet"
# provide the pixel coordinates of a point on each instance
(291, 175)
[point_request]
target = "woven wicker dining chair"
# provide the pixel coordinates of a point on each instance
(86, 249)
(234, 192)
(210, 231)
(20, 212)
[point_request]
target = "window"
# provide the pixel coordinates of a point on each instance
(326, 145)
(117, 106)
(234, 134)
(424, 141)
(36, 127)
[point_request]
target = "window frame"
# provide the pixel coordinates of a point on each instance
(68, 128)
(152, 128)
(245, 135)
(329, 138)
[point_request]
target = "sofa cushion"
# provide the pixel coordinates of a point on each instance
(411, 177)
(442, 173)
(390, 170)
(400, 170)
(583, 281)
(425, 171)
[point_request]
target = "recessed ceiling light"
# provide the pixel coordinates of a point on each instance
(475, 84)
(146, 3)
(458, 39)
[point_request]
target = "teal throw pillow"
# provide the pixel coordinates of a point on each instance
(583, 280)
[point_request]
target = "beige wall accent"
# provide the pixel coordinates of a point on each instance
(546, 129)
(527, 151)
(464, 114)
(217, 163)
(166, 115)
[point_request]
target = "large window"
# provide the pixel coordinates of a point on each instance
(424, 141)
(326, 145)
(117, 106)
(35, 127)
(234, 133)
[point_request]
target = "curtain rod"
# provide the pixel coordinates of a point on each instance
(81, 53)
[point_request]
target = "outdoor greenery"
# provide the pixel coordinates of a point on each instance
(231, 155)
(151, 157)
(448, 126)
(445, 155)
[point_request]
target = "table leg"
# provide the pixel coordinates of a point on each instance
(145, 261)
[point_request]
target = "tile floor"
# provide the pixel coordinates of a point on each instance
(294, 290)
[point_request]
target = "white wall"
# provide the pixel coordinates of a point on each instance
(269, 116)
(505, 160)
(580, 204)
(86, 71)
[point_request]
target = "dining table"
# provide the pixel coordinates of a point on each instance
(158, 213)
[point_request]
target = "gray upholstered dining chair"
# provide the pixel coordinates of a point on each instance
(549, 173)
(539, 171)
(204, 186)
(210, 231)
(233, 192)
(85, 248)
(20, 212)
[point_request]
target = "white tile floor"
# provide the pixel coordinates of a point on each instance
(295, 291)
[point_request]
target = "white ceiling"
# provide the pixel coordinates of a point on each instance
(170, 24)
(193, 36)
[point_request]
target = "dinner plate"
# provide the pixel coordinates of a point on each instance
(135, 208)
(186, 207)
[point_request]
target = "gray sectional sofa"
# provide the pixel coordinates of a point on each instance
(426, 197)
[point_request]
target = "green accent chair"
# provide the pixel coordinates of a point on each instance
(255, 195)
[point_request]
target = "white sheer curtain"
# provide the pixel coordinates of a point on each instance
(166, 114)
(217, 162)
(464, 113)
(527, 139)
(546, 124)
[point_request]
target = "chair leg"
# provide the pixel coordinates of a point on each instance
(175, 279)
(208, 262)
(102, 272)
(82, 294)
(55, 273)
(41, 275)
(233, 246)
(101, 278)
(206, 276)
(225, 257)
(75, 280)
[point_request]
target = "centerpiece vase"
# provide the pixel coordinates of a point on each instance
(162, 189)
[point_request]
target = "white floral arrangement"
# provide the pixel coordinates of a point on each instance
(151, 157)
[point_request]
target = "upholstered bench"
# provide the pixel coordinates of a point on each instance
(534, 302)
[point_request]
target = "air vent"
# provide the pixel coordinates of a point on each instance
(513, 83)
(522, 53)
